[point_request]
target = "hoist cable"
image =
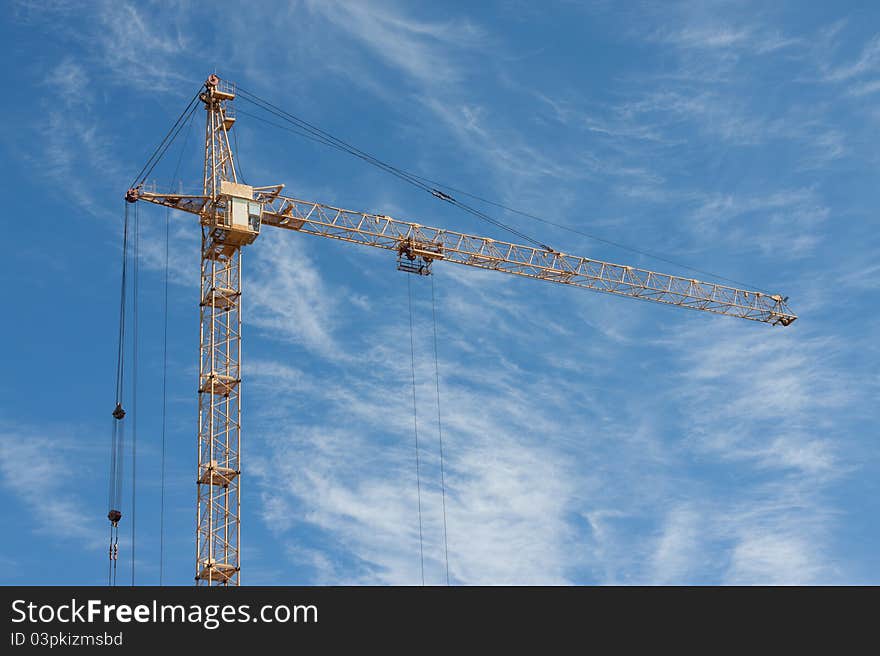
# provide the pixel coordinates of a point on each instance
(309, 131)
(412, 347)
(120, 353)
(164, 405)
(111, 489)
(134, 380)
(120, 466)
(440, 430)
(117, 433)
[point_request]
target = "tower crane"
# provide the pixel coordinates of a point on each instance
(232, 215)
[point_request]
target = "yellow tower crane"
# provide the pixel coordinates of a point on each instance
(231, 215)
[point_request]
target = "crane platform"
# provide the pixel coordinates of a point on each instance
(218, 384)
(217, 572)
(214, 474)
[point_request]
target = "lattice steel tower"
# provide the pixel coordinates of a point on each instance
(218, 525)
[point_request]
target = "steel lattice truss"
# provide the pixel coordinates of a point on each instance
(218, 521)
(431, 244)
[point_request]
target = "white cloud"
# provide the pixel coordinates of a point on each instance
(136, 48)
(676, 555)
(425, 51)
(785, 223)
(287, 299)
(69, 83)
(776, 387)
(866, 88)
(773, 559)
(868, 61)
(745, 40)
(38, 470)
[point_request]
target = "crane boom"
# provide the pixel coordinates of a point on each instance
(422, 245)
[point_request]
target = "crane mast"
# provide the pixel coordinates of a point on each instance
(218, 519)
(231, 214)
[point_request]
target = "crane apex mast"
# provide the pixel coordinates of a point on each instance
(219, 164)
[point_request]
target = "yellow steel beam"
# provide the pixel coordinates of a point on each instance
(486, 253)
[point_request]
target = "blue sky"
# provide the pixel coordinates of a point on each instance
(588, 439)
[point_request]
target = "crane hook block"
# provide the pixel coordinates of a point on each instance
(118, 412)
(114, 516)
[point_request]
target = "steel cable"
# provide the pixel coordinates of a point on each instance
(440, 430)
(412, 346)
(134, 381)
(163, 146)
(312, 132)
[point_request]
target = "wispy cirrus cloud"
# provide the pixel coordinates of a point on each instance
(435, 66)
(783, 539)
(80, 153)
(789, 222)
(866, 63)
(289, 299)
(142, 44)
(742, 39)
(775, 535)
(778, 391)
(36, 469)
(424, 50)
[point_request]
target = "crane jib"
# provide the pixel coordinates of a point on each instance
(431, 243)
